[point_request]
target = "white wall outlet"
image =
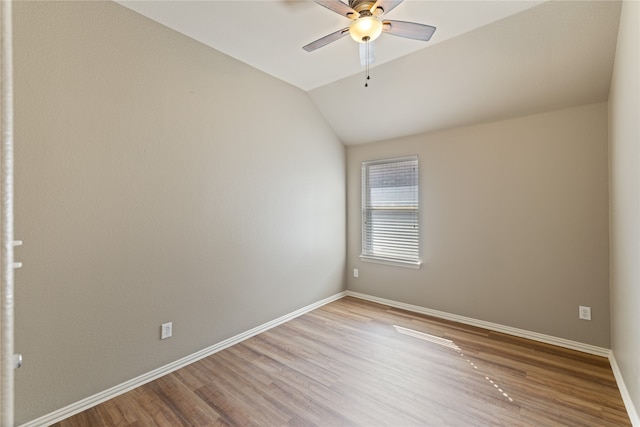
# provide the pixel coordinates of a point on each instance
(584, 312)
(355, 272)
(166, 330)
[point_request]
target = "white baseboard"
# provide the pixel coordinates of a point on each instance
(626, 397)
(112, 392)
(548, 339)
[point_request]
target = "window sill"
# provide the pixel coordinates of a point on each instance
(395, 262)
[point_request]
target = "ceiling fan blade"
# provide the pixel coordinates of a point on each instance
(386, 6)
(409, 30)
(339, 7)
(326, 40)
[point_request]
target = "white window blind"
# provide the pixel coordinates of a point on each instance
(390, 229)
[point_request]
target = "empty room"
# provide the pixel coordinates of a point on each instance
(323, 213)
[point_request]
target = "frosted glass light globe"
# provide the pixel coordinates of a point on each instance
(366, 26)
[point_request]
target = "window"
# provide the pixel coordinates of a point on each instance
(390, 211)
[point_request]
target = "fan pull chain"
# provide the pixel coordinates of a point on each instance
(366, 41)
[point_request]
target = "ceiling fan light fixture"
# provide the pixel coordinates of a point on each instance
(365, 29)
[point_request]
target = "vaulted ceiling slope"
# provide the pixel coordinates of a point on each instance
(488, 60)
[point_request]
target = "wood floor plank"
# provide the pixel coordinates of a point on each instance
(358, 363)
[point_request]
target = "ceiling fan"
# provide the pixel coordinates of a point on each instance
(367, 24)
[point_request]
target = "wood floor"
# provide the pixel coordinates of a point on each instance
(356, 363)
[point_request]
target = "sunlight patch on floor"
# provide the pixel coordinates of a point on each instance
(450, 344)
(427, 337)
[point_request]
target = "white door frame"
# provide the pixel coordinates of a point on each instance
(7, 360)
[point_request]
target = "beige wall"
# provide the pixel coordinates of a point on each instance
(624, 140)
(157, 180)
(514, 223)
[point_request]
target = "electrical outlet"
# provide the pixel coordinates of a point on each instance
(166, 330)
(355, 272)
(584, 313)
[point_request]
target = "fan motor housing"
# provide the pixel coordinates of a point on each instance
(361, 5)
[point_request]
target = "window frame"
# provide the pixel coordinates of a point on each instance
(366, 253)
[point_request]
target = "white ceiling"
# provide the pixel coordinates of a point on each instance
(487, 60)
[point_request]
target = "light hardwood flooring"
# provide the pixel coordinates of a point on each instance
(356, 363)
